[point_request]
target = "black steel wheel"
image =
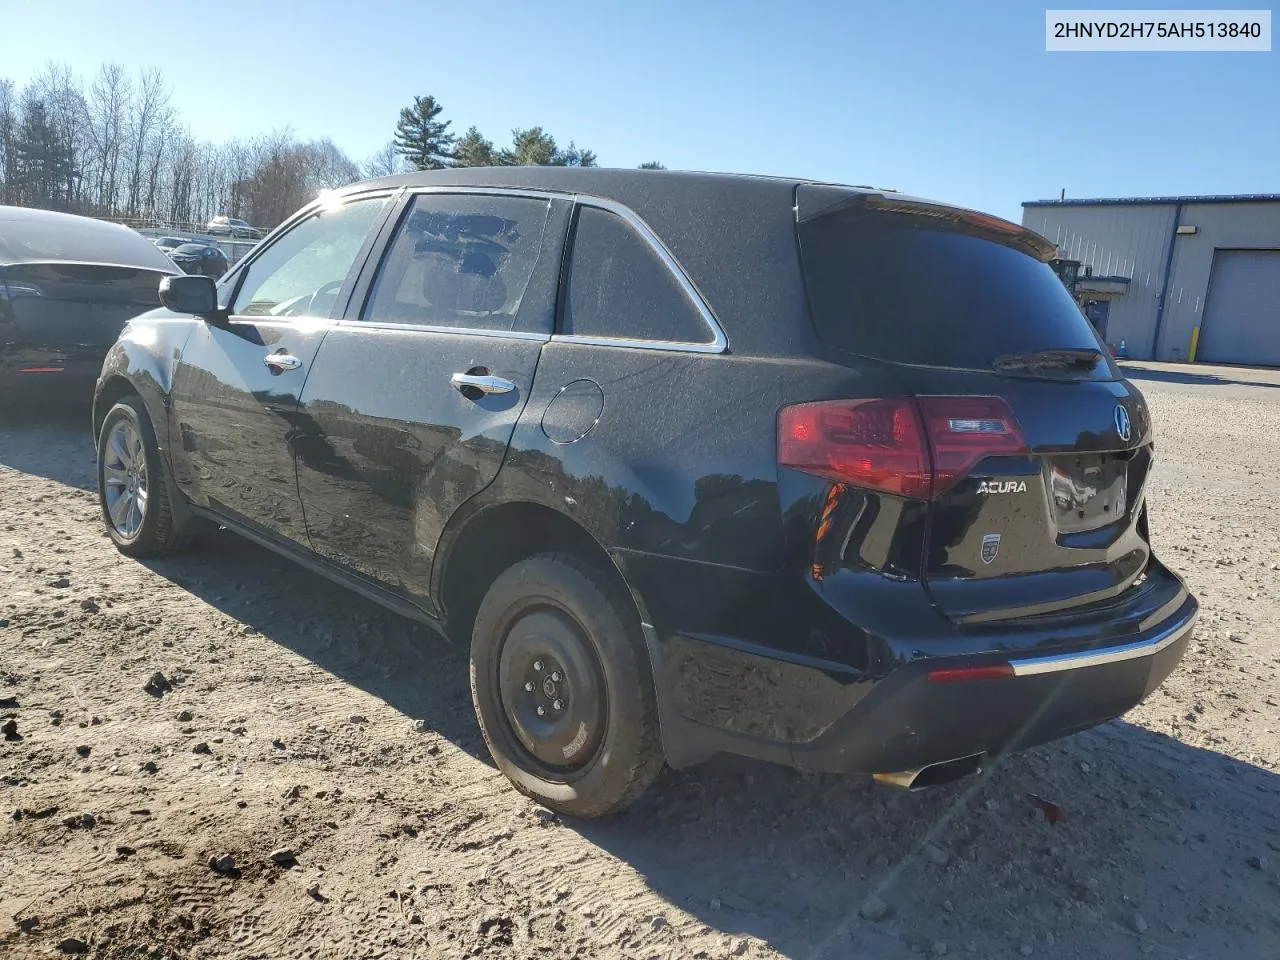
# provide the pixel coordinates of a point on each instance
(562, 686)
(552, 689)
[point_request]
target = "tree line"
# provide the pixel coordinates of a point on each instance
(423, 141)
(116, 147)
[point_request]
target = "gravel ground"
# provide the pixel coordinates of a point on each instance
(294, 718)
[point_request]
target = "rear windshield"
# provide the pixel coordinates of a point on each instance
(913, 289)
(90, 282)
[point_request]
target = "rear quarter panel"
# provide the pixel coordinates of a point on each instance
(678, 479)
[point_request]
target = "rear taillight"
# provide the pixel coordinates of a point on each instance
(963, 431)
(868, 443)
(913, 447)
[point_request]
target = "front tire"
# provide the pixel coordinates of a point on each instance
(562, 687)
(132, 483)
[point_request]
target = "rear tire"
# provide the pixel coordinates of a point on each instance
(562, 687)
(133, 486)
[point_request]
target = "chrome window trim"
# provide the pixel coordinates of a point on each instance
(674, 346)
(1093, 658)
(267, 320)
(432, 328)
(719, 343)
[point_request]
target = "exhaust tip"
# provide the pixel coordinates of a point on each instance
(933, 774)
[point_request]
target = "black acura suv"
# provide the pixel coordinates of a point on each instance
(822, 475)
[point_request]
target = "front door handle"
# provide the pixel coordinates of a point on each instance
(279, 362)
(485, 384)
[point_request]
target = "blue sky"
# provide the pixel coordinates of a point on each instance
(957, 101)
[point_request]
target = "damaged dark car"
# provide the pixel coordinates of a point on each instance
(817, 474)
(68, 285)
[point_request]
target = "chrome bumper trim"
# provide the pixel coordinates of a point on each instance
(1094, 658)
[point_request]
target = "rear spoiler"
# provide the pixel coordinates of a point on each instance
(997, 228)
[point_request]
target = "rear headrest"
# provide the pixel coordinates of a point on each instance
(470, 284)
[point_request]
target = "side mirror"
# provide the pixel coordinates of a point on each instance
(190, 294)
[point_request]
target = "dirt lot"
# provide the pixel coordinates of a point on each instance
(303, 717)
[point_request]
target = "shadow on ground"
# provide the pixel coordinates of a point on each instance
(48, 436)
(1197, 379)
(1154, 828)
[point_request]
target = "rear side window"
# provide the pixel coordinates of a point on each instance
(620, 288)
(461, 261)
(908, 289)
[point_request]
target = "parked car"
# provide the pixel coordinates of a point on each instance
(202, 258)
(816, 474)
(172, 243)
(222, 226)
(67, 286)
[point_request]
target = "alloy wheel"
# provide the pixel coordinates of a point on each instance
(124, 479)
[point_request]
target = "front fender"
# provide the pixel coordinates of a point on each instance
(142, 361)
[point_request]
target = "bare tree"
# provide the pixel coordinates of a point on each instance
(117, 148)
(155, 158)
(384, 163)
(287, 175)
(108, 105)
(180, 178)
(8, 126)
(148, 111)
(327, 166)
(58, 89)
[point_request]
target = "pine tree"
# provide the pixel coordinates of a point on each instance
(537, 148)
(474, 150)
(651, 165)
(43, 163)
(530, 148)
(422, 139)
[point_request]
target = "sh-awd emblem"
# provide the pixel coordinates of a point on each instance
(990, 546)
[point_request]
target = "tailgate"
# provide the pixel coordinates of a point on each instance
(1038, 450)
(1059, 526)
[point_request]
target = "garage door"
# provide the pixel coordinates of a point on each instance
(1242, 311)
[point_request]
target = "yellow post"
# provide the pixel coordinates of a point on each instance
(1195, 342)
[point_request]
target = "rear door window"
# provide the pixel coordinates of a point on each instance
(920, 290)
(464, 261)
(620, 287)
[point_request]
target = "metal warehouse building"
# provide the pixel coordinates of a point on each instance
(1175, 278)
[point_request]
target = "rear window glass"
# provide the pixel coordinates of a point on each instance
(901, 288)
(90, 282)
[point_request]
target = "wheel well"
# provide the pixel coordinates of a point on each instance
(111, 393)
(500, 536)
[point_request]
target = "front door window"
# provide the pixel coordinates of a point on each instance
(301, 273)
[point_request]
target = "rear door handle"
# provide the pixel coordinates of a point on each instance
(485, 384)
(279, 362)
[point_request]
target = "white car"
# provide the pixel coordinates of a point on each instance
(231, 227)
